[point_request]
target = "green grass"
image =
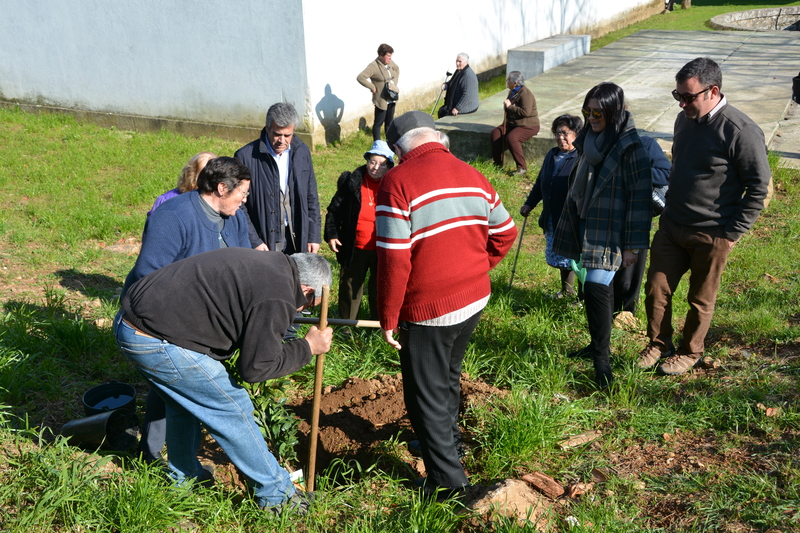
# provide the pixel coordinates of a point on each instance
(70, 189)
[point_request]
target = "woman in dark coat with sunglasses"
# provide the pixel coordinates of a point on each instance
(606, 219)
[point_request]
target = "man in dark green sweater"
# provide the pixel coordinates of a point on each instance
(718, 184)
(179, 323)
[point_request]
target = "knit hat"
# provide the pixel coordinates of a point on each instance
(407, 122)
(381, 148)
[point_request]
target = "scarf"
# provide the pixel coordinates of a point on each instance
(595, 147)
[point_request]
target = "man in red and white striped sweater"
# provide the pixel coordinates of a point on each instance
(441, 227)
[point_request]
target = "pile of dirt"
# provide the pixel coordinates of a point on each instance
(363, 414)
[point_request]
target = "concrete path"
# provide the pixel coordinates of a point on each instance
(757, 72)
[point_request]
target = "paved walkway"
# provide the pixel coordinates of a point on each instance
(757, 72)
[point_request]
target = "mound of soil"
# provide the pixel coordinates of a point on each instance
(363, 414)
(356, 420)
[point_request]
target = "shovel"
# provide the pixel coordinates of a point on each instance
(312, 453)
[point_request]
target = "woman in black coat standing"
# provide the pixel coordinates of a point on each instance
(350, 230)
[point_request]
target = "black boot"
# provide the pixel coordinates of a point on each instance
(599, 302)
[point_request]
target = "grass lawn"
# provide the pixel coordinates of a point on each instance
(713, 451)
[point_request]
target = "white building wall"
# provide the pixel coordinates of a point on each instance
(226, 61)
(210, 60)
(427, 35)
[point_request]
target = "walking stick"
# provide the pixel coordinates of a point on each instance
(514, 268)
(312, 453)
(447, 75)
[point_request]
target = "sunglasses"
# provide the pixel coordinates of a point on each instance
(688, 98)
(596, 113)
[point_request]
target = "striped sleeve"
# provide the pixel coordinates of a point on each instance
(393, 244)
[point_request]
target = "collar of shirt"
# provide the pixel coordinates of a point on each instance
(722, 102)
(282, 160)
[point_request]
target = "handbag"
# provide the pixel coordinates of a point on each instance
(390, 91)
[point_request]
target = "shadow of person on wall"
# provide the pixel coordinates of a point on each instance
(329, 111)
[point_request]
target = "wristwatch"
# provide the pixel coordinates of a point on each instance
(634, 252)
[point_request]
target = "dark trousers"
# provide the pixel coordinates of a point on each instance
(351, 284)
(382, 118)
(514, 137)
(628, 284)
(154, 427)
(675, 251)
(430, 360)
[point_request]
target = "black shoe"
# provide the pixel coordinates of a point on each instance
(583, 353)
(299, 504)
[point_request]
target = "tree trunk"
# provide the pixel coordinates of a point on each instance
(686, 4)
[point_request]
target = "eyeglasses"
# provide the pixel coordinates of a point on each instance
(688, 98)
(563, 133)
(245, 194)
(596, 113)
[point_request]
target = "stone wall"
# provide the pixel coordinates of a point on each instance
(771, 19)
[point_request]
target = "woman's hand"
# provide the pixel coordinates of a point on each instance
(525, 210)
(334, 244)
(507, 103)
(628, 258)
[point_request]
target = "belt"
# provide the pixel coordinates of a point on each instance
(137, 330)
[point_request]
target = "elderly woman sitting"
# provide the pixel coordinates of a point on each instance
(520, 123)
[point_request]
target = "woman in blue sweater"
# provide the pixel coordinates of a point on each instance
(194, 222)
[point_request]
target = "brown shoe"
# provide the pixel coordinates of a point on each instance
(650, 356)
(678, 364)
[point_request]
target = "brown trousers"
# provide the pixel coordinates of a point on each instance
(514, 137)
(674, 251)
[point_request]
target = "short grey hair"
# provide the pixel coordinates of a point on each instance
(314, 271)
(464, 56)
(516, 77)
(282, 115)
(410, 139)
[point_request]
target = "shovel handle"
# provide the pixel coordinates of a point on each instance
(312, 452)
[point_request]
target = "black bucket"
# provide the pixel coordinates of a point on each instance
(110, 397)
(115, 430)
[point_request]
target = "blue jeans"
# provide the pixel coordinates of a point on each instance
(597, 275)
(198, 390)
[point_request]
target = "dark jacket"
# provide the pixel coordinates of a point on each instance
(342, 217)
(179, 228)
(552, 189)
(619, 207)
(220, 301)
(720, 177)
(263, 205)
(522, 111)
(462, 92)
(659, 164)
